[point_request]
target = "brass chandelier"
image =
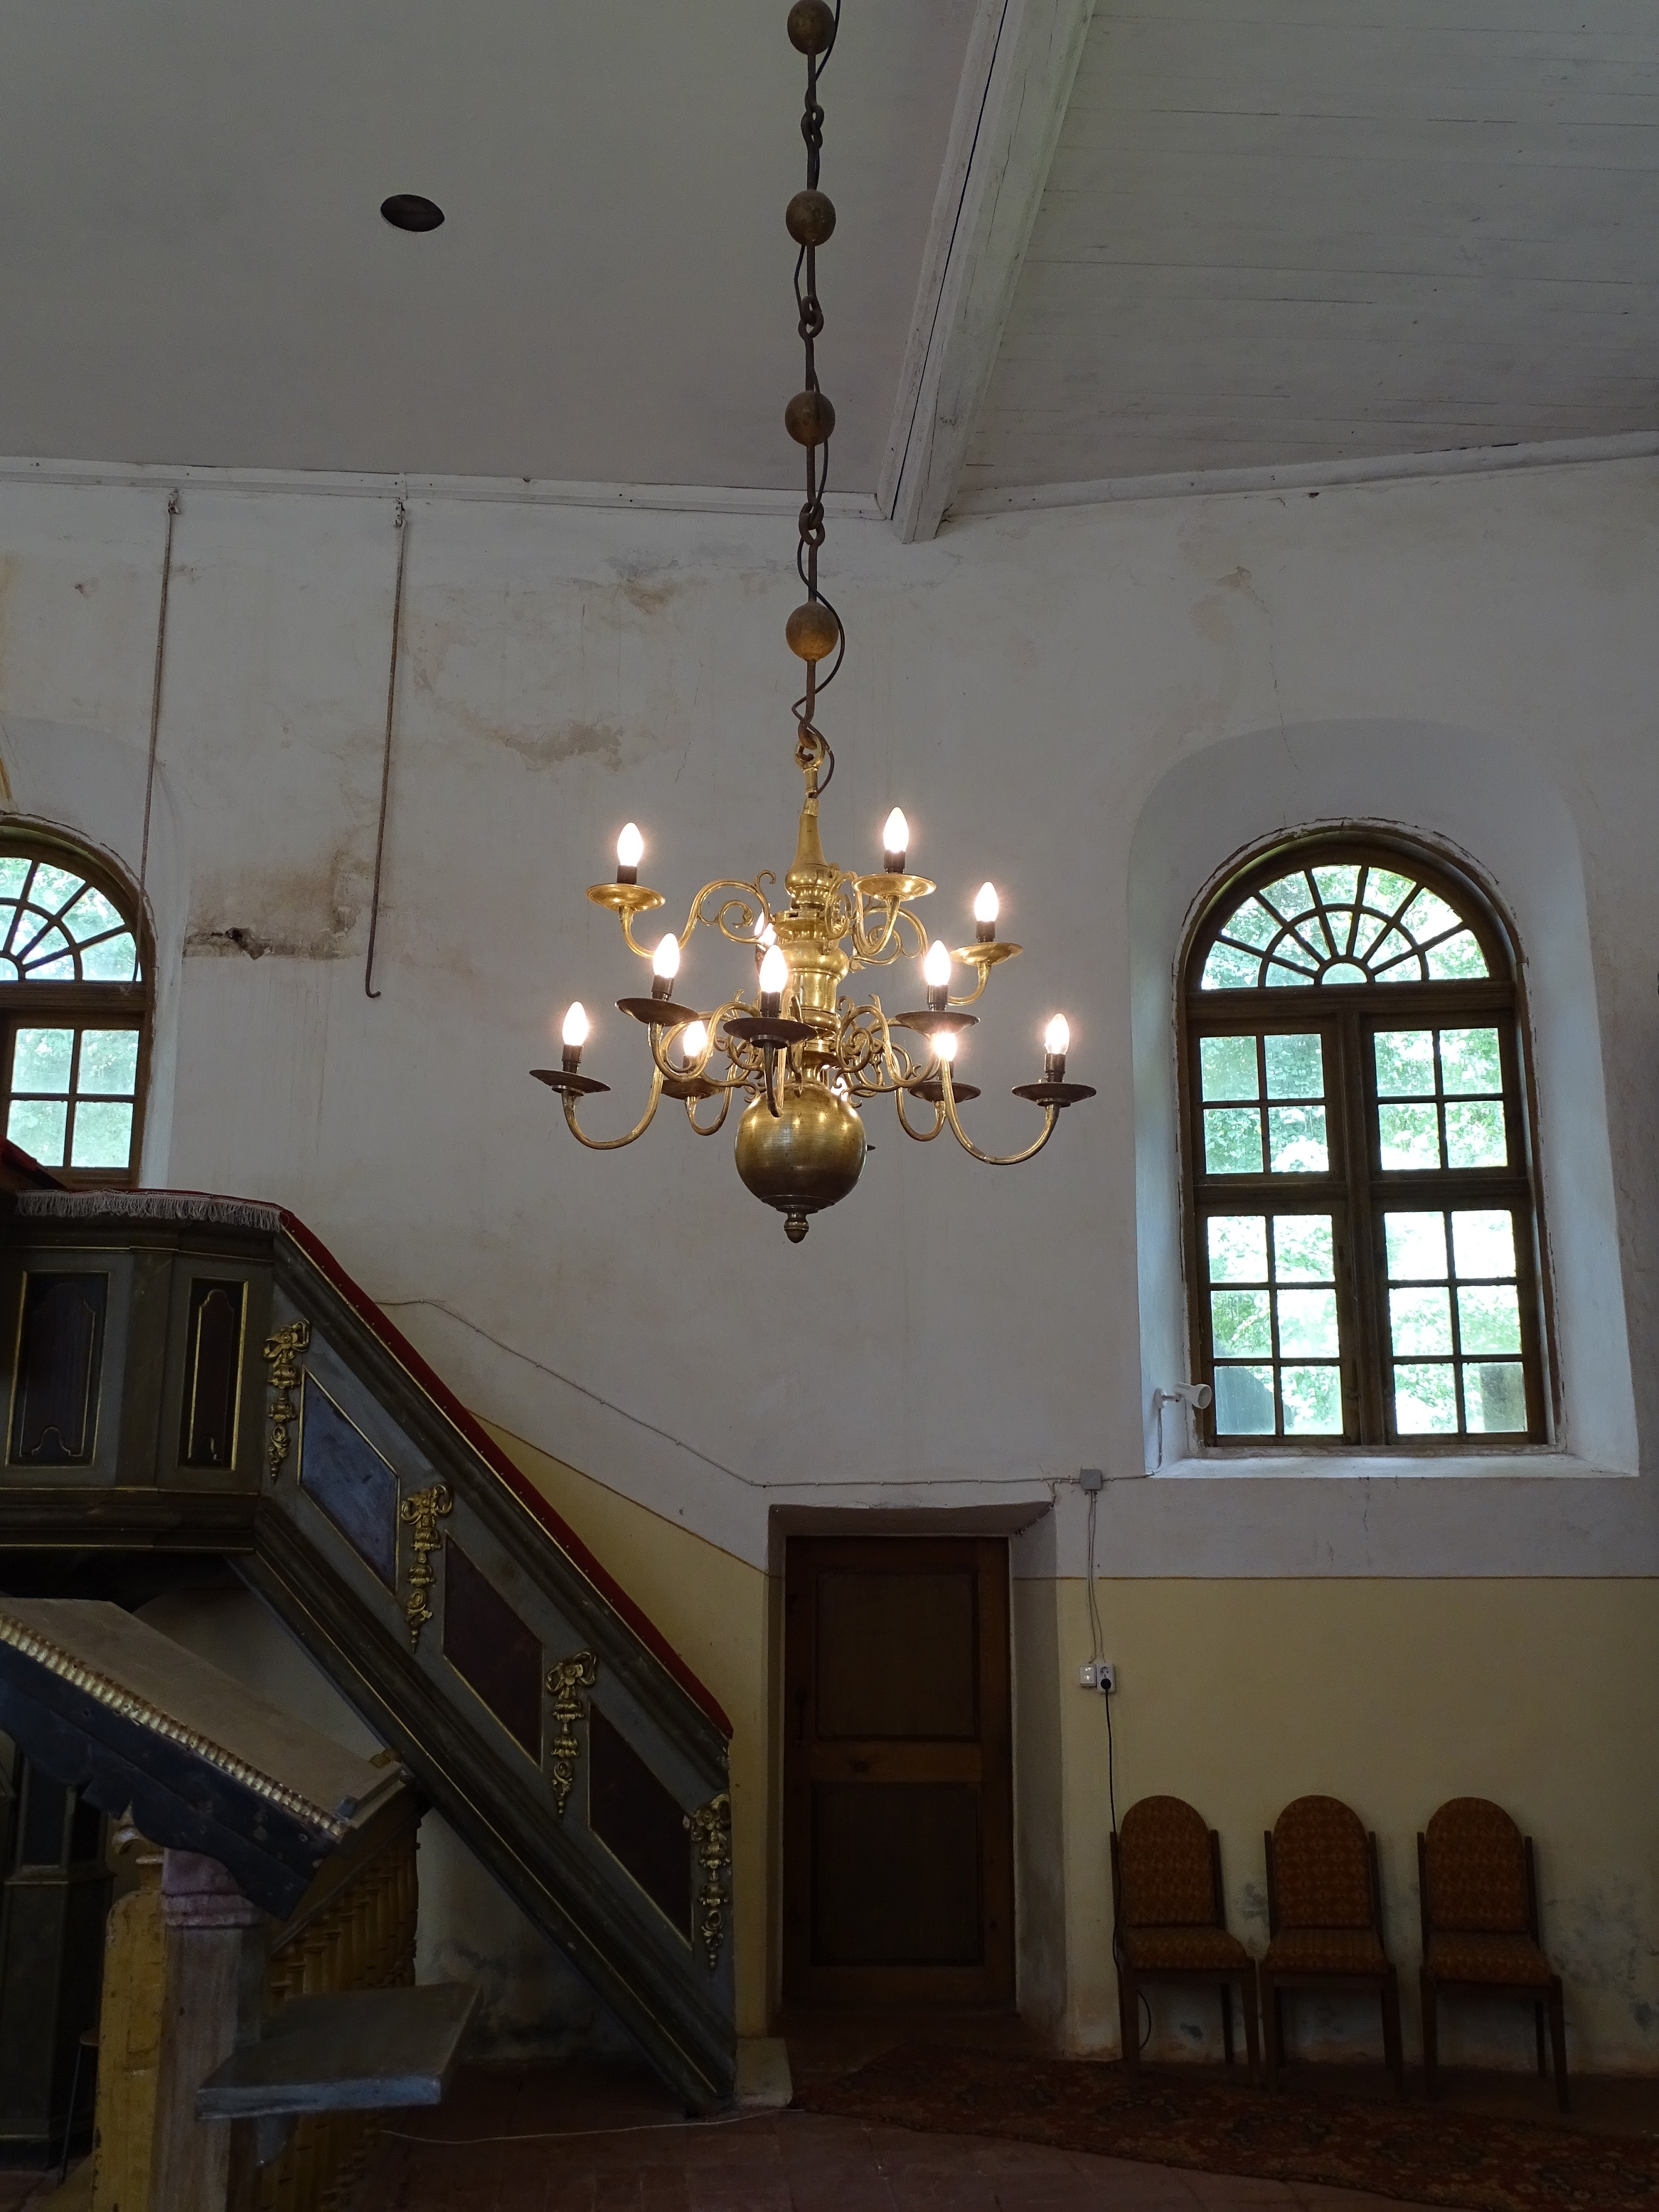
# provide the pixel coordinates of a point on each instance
(804, 1056)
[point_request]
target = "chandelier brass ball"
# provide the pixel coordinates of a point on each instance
(806, 1156)
(809, 218)
(812, 631)
(811, 26)
(809, 418)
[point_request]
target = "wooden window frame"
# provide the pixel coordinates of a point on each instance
(83, 1004)
(1356, 1191)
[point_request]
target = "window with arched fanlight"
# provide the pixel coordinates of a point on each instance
(1364, 1241)
(74, 1010)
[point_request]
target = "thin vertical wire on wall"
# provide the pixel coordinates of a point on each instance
(173, 506)
(400, 524)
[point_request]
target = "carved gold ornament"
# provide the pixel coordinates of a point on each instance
(565, 1684)
(281, 1354)
(422, 1511)
(803, 1056)
(711, 1843)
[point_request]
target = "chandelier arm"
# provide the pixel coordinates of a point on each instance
(921, 1136)
(644, 951)
(744, 934)
(978, 991)
(1050, 1117)
(710, 1128)
(615, 1144)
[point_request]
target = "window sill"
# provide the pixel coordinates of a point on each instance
(1535, 1463)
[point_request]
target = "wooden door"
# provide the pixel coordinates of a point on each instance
(898, 1813)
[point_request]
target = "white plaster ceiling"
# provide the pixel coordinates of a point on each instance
(1302, 230)
(194, 268)
(1272, 231)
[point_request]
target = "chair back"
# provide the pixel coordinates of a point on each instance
(1474, 1869)
(1320, 1867)
(1166, 1869)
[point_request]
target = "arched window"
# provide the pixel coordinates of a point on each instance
(1362, 1251)
(74, 1010)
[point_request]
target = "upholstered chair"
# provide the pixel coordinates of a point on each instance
(1325, 1915)
(1479, 1897)
(1169, 1922)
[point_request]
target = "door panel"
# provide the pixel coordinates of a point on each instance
(898, 1884)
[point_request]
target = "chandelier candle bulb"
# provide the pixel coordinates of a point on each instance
(936, 974)
(630, 849)
(947, 1044)
(665, 965)
(895, 842)
(774, 982)
(575, 1037)
(1056, 1043)
(986, 909)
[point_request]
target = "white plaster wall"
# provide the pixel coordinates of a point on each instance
(1025, 687)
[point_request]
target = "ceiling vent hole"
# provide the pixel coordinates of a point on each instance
(411, 211)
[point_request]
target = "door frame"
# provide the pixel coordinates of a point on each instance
(992, 1983)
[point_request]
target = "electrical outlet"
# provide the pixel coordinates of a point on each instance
(1098, 1675)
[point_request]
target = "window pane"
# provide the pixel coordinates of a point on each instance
(1405, 1063)
(1469, 1062)
(1455, 957)
(41, 1059)
(1425, 1401)
(38, 1125)
(1417, 1244)
(1296, 1067)
(13, 872)
(1238, 1248)
(1304, 1248)
(1290, 895)
(1307, 1322)
(1245, 1401)
(1338, 886)
(1279, 974)
(1385, 890)
(1396, 960)
(114, 961)
(1474, 1133)
(1313, 1401)
(1483, 1242)
(1296, 1140)
(1254, 925)
(1420, 1320)
(1232, 1140)
(109, 1062)
(103, 1134)
(1410, 1136)
(1495, 1398)
(92, 914)
(1228, 1068)
(1227, 968)
(54, 887)
(1241, 1322)
(1489, 1317)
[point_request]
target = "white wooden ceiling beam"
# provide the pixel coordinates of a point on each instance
(1022, 58)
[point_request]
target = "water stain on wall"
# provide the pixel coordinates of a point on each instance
(301, 914)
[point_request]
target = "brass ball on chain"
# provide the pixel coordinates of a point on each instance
(811, 26)
(812, 631)
(809, 418)
(809, 218)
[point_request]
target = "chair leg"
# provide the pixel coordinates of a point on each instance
(1273, 2028)
(1128, 2018)
(69, 2122)
(1249, 2001)
(1431, 2037)
(1227, 2020)
(1559, 2039)
(1391, 2044)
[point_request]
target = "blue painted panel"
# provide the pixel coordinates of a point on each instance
(347, 1478)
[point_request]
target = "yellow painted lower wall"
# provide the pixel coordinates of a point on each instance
(1393, 1695)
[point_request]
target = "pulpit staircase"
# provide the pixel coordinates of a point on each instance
(196, 1378)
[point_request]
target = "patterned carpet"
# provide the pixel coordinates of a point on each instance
(1410, 2150)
